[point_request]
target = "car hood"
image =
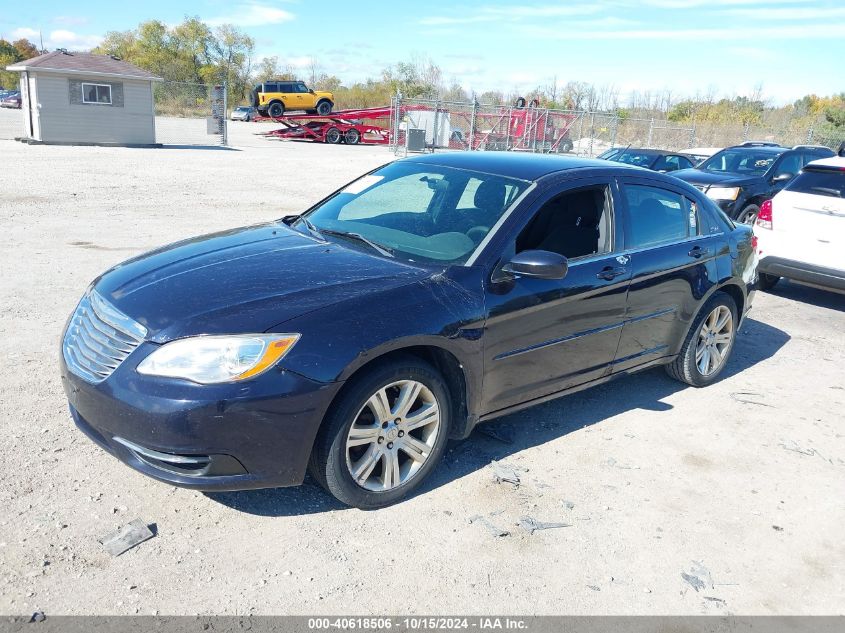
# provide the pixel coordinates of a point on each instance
(323, 93)
(707, 178)
(242, 281)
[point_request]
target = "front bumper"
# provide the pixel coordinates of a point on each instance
(803, 272)
(255, 434)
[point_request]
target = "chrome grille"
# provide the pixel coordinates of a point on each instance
(98, 338)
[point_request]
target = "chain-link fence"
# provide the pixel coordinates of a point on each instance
(426, 125)
(190, 114)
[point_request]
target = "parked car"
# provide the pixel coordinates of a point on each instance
(742, 177)
(801, 231)
(429, 295)
(699, 154)
(244, 113)
(273, 98)
(609, 153)
(654, 159)
(11, 101)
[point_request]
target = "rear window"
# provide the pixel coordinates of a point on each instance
(819, 183)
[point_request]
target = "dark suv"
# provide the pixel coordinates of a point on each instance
(740, 178)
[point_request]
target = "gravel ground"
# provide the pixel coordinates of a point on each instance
(683, 501)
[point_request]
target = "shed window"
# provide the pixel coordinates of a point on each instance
(96, 93)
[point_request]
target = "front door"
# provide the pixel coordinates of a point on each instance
(546, 335)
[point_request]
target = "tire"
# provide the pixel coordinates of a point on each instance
(352, 137)
(333, 461)
(276, 109)
(687, 367)
(333, 136)
(767, 282)
(565, 145)
(324, 108)
(748, 214)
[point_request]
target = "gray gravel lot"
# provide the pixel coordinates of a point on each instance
(736, 488)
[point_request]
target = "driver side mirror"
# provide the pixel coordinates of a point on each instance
(783, 177)
(537, 264)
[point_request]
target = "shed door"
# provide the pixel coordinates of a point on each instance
(34, 109)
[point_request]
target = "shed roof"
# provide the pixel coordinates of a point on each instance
(83, 63)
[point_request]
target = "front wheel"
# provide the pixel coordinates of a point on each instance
(748, 214)
(384, 435)
(709, 343)
(333, 135)
(324, 108)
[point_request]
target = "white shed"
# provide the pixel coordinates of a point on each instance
(85, 99)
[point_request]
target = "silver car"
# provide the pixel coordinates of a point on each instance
(244, 113)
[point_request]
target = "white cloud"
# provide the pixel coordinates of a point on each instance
(70, 20)
(790, 13)
(794, 31)
(59, 38)
(253, 14)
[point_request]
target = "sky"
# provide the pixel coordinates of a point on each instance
(790, 47)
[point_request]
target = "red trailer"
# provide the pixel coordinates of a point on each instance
(348, 126)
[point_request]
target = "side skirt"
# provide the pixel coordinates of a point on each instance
(665, 360)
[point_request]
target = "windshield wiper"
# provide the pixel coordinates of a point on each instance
(377, 247)
(310, 226)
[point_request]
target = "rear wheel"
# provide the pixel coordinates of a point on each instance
(276, 109)
(352, 137)
(565, 145)
(748, 214)
(709, 343)
(384, 435)
(333, 136)
(767, 282)
(324, 108)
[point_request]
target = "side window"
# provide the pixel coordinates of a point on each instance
(301, 88)
(573, 224)
(667, 163)
(790, 164)
(270, 88)
(658, 216)
(684, 163)
(408, 194)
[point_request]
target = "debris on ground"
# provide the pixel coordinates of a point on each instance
(614, 464)
(492, 529)
(777, 528)
(498, 433)
(505, 472)
(38, 616)
(747, 397)
(698, 577)
(593, 587)
(531, 525)
(132, 534)
(567, 504)
(791, 445)
(714, 599)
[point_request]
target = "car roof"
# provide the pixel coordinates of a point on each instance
(512, 164)
(770, 149)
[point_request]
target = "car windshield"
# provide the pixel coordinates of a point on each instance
(633, 157)
(739, 161)
(418, 212)
(242, 109)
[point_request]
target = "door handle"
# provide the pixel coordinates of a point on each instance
(609, 273)
(697, 252)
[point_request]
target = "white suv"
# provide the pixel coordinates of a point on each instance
(801, 231)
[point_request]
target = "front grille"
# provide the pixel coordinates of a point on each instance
(98, 338)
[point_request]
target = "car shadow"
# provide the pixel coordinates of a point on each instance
(808, 294)
(501, 438)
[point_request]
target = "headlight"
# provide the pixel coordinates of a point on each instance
(722, 193)
(214, 359)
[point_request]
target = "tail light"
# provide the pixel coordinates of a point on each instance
(764, 217)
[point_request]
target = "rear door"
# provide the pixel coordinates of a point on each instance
(809, 216)
(672, 250)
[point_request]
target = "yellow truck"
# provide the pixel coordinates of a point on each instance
(273, 98)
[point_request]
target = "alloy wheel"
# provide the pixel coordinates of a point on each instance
(714, 340)
(392, 435)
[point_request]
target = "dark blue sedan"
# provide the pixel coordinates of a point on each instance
(426, 297)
